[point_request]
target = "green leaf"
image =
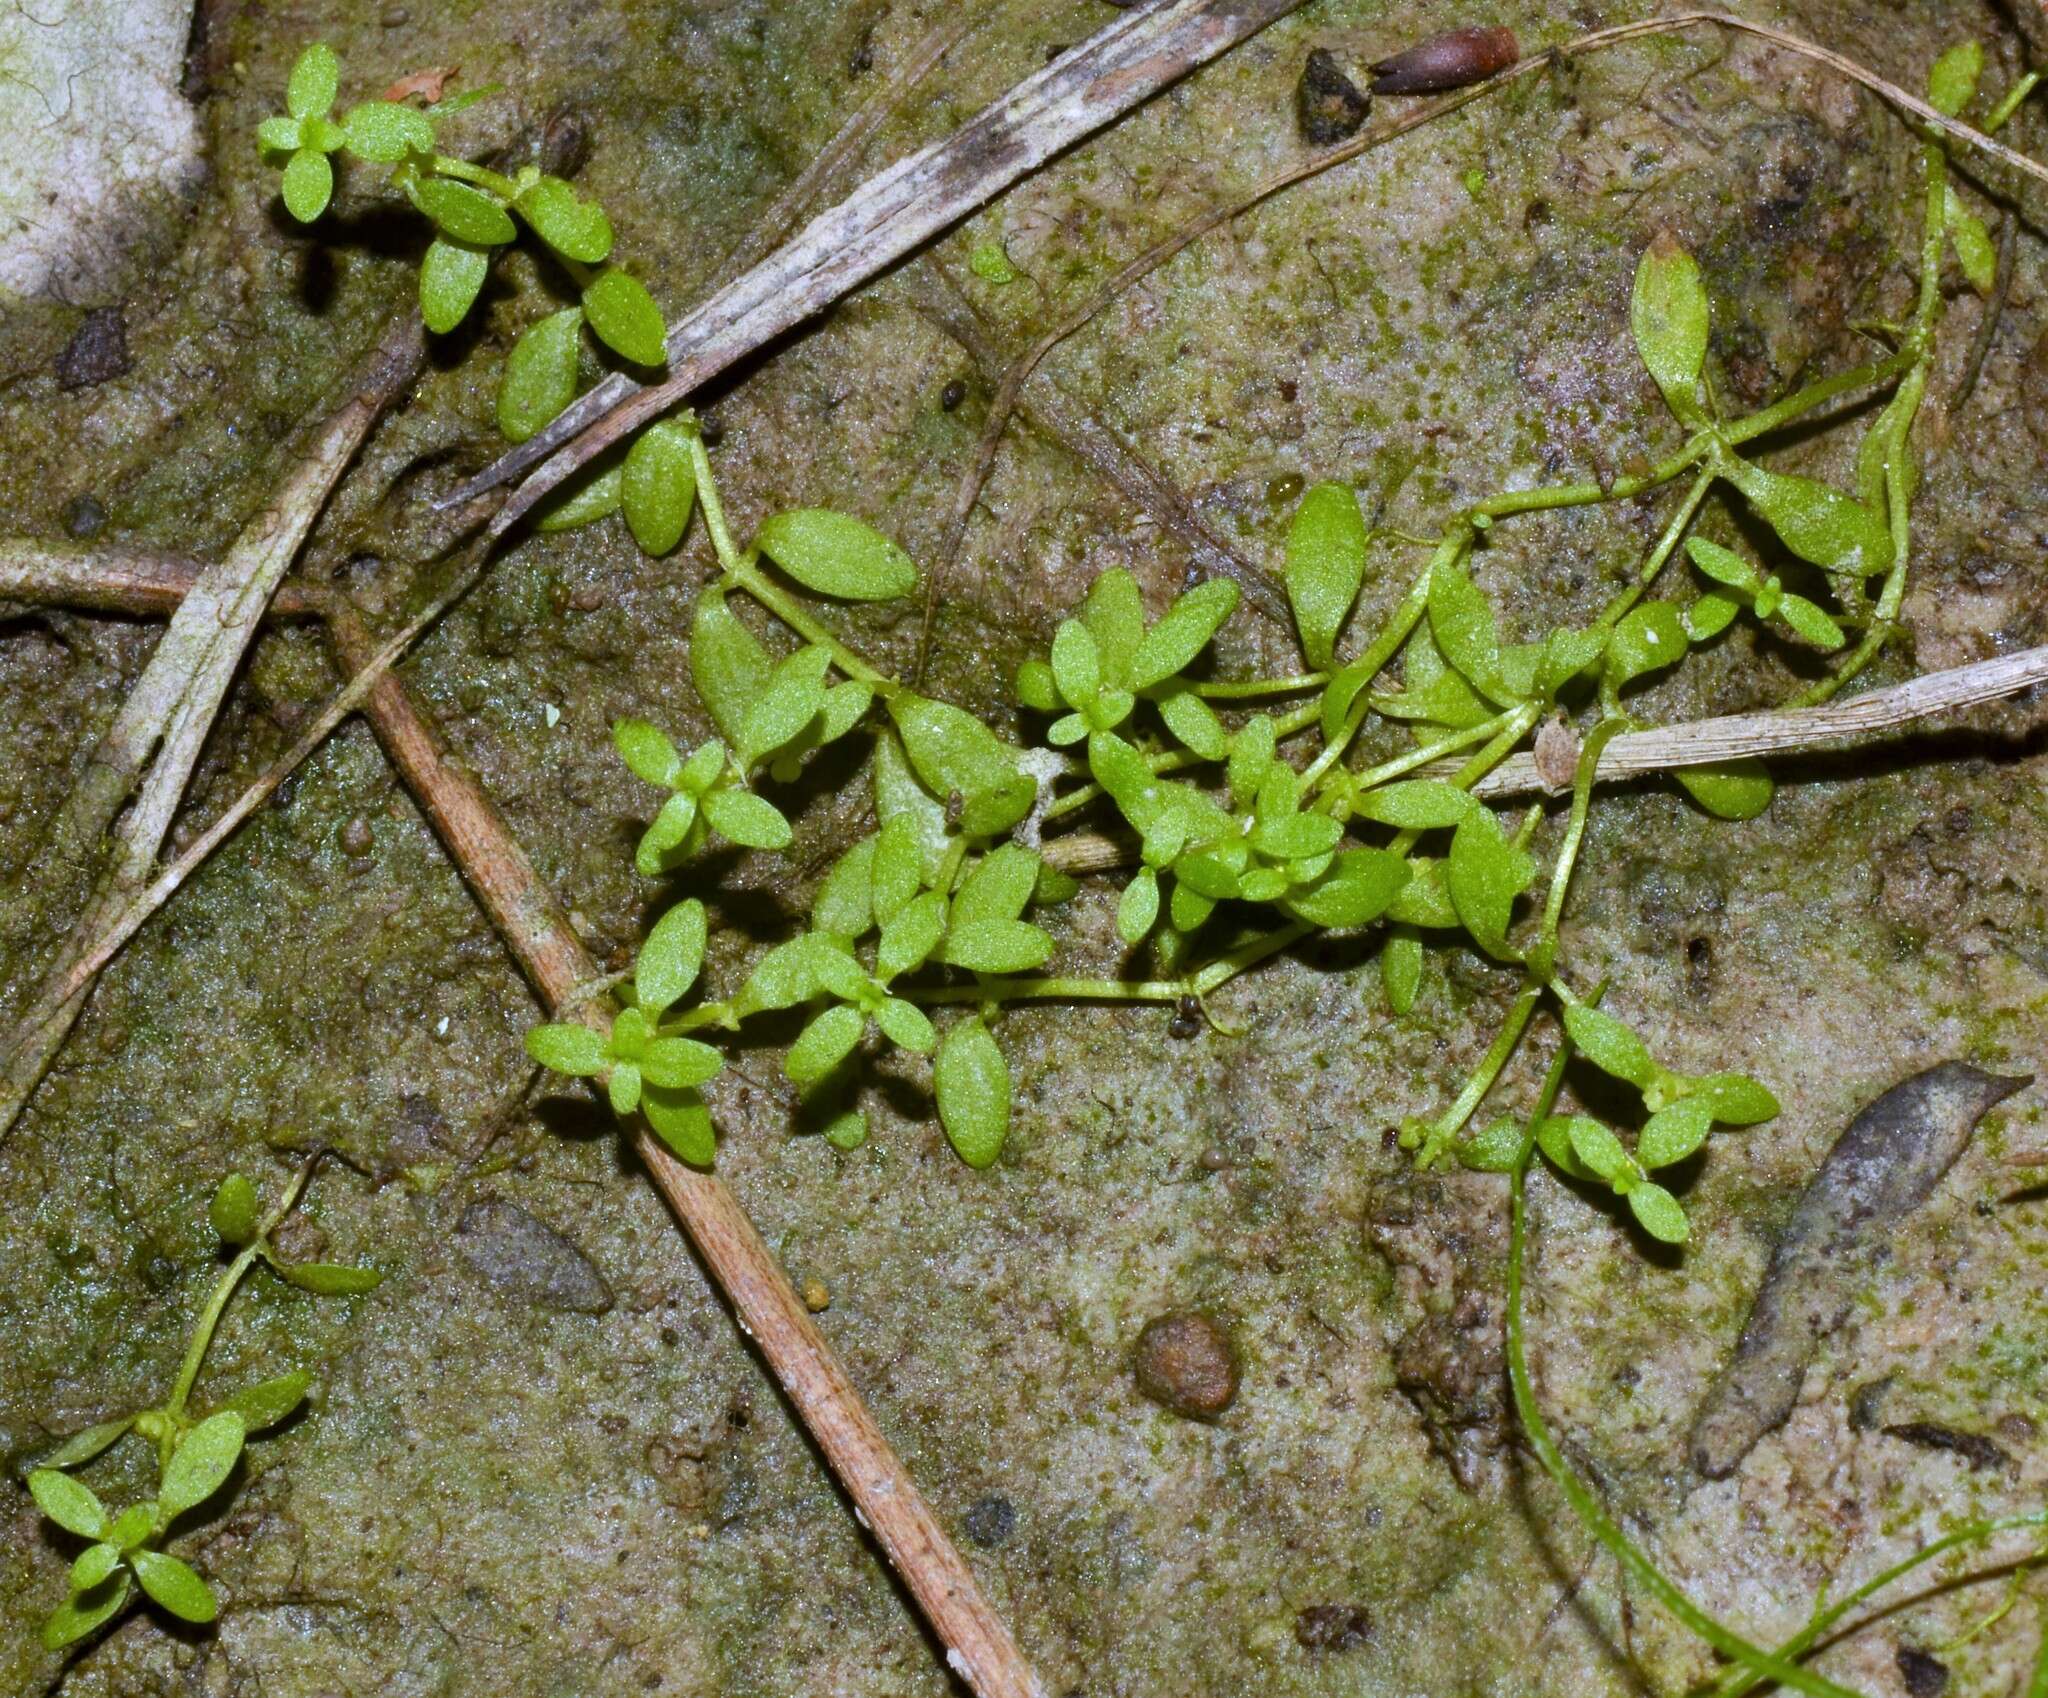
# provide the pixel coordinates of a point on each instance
(1416, 804)
(1194, 722)
(899, 865)
(72, 1504)
(1953, 80)
(1975, 250)
(1651, 636)
(952, 751)
(566, 1047)
(1483, 875)
(269, 1401)
(904, 1023)
(84, 1445)
(174, 1585)
(1731, 790)
(1115, 612)
(581, 501)
(335, 1279)
(1137, 910)
(682, 1122)
(665, 833)
(1431, 690)
(836, 555)
(788, 974)
(1076, 664)
(1466, 633)
(991, 264)
(315, 80)
(997, 946)
(1609, 1045)
(1675, 1132)
(1657, 1213)
(658, 486)
(1355, 890)
(1183, 632)
(625, 318)
(1325, 564)
(999, 887)
(794, 694)
(1709, 617)
(911, 934)
(278, 135)
(1296, 837)
(308, 184)
(1816, 522)
(1495, 1150)
(384, 131)
(1188, 908)
(95, 1563)
(1252, 753)
(1811, 622)
(450, 276)
(202, 1461)
(1036, 687)
(1735, 1099)
(467, 214)
(847, 1131)
(844, 903)
(1668, 313)
(972, 1084)
(72, 1620)
(135, 1525)
(1723, 565)
(540, 374)
(899, 796)
(1401, 968)
(1599, 1151)
(745, 819)
(1553, 1138)
(233, 1211)
(679, 1064)
(1423, 900)
(824, 1044)
(647, 752)
(727, 664)
(575, 229)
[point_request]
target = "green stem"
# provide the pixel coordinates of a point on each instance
(1240, 689)
(1653, 562)
(1544, 955)
(1226, 967)
(806, 625)
(1041, 990)
(1447, 1125)
(708, 501)
(216, 1305)
(1421, 755)
(1764, 1664)
(1802, 401)
(446, 165)
(1400, 624)
(1584, 494)
(1999, 116)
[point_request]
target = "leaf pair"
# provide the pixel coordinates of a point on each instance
(773, 711)
(704, 796)
(1767, 598)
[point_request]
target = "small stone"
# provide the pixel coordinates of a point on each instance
(394, 17)
(953, 394)
(528, 1261)
(1556, 754)
(1328, 105)
(1184, 1362)
(83, 517)
(97, 352)
(356, 839)
(1332, 1627)
(817, 1298)
(1925, 1675)
(990, 1520)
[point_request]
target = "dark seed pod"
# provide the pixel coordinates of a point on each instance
(1450, 60)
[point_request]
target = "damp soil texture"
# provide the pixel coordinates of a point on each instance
(540, 1459)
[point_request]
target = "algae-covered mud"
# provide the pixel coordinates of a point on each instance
(1204, 1371)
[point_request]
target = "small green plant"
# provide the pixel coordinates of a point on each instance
(195, 1453)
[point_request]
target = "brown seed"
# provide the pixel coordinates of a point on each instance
(1184, 1362)
(357, 840)
(1556, 754)
(953, 394)
(1328, 106)
(1450, 60)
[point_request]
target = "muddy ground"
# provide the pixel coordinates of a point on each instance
(498, 1491)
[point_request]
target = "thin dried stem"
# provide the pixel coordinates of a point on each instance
(891, 215)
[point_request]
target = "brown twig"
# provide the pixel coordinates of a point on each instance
(536, 929)
(889, 216)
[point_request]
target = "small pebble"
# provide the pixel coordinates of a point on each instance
(528, 1261)
(357, 840)
(953, 394)
(1332, 1627)
(1925, 1675)
(97, 352)
(1184, 1363)
(1328, 105)
(817, 1298)
(990, 1520)
(83, 517)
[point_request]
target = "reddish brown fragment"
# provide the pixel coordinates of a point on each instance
(1450, 60)
(431, 83)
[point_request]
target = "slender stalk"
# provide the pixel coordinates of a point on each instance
(1242, 689)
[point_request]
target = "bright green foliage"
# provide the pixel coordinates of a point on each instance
(991, 264)
(1952, 83)
(1326, 548)
(450, 276)
(575, 228)
(836, 555)
(972, 1083)
(658, 486)
(195, 1457)
(625, 317)
(1976, 253)
(540, 374)
(1668, 313)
